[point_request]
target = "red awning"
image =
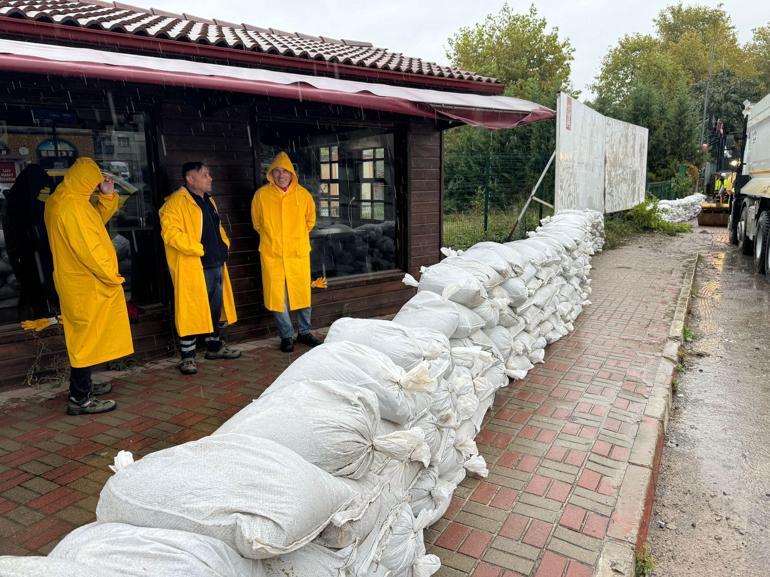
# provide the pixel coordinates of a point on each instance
(493, 112)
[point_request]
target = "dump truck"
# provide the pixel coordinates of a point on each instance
(749, 222)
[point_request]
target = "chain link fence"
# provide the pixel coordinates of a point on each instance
(484, 194)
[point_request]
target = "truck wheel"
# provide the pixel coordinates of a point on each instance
(760, 243)
(744, 242)
(731, 229)
(767, 259)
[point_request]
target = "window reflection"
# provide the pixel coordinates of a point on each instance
(45, 143)
(352, 178)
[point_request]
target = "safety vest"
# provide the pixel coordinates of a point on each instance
(717, 185)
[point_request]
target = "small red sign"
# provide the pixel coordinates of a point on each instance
(7, 172)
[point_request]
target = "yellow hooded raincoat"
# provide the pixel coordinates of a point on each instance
(284, 221)
(85, 273)
(181, 222)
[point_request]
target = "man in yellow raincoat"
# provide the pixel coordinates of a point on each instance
(196, 251)
(85, 273)
(283, 213)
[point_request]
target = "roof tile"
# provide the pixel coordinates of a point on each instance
(114, 16)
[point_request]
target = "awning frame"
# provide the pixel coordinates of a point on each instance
(492, 112)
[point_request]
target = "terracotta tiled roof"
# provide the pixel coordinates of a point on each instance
(119, 17)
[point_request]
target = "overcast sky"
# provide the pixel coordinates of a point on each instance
(420, 28)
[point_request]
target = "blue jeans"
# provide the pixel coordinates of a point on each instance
(285, 327)
(213, 278)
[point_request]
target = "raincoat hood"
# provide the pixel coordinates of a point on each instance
(282, 160)
(81, 179)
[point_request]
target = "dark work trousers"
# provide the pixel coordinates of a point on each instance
(80, 383)
(213, 277)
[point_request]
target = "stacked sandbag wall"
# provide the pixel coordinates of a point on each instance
(358, 446)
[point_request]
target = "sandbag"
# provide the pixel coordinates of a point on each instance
(402, 395)
(484, 273)
(515, 260)
(119, 549)
(332, 425)
(407, 347)
(49, 567)
(469, 322)
(491, 258)
(230, 487)
(456, 283)
(427, 309)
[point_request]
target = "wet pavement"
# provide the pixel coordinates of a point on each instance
(712, 510)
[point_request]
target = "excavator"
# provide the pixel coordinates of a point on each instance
(715, 211)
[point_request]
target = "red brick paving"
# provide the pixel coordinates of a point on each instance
(568, 428)
(556, 443)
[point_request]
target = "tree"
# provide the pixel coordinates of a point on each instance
(758, 51)
(660, 81)
(534, 63)
(636, 60)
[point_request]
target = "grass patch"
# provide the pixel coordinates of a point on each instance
(463, 230)
(687, 334)
(644, 563)
(619, 228)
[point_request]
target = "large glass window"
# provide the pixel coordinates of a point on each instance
(37, 146)
(352, 177)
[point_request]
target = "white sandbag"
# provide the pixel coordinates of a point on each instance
(434, 435)
(332, 425)
(519, 363)
(402, 395)
(407, 347)
(430, 496)
(517, 328)
(312, 560)
(469, 322)
(49, 567)
(516, 261)
(126, 550)
(375, 494)
(517, 290)
(534, 254)
(489, 312)
(533, 284)
(528, 273)
(490, 258)
(435, 349)
(427, 309)
(537, 356)
(552, 248)
(484, 273)
(464, 287)
(230, 487)
(502, 340)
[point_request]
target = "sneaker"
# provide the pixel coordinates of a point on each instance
(224, 352)
(287, 345)
(99, 389)
(91, 406)
(188, 367)
(309, 340)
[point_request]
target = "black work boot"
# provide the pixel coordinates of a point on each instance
(308, 339)
(287, 345)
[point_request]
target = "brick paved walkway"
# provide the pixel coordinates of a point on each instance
(557, 444)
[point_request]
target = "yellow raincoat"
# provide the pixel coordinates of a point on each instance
(284, 221)
(181, 221)
(85, 273)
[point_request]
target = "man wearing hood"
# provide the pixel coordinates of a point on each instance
(196, 251)
(85, 273)
(283, 213)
